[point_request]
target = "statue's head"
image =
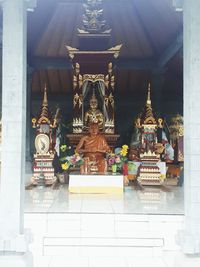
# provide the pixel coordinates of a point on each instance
(93, 101)
(94, 129)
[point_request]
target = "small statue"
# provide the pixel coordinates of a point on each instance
(94, 115)
(176, 135)
(94, 147)
(135, 145)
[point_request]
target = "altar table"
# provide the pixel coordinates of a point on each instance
(96, 183)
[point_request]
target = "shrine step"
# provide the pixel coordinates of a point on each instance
(100, 246)
(84, 234)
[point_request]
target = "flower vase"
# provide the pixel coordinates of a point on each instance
(125, 169)
(114, 168)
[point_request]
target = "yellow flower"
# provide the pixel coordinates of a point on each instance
(125, 147)
(65, 166)
(123, 152)
(63, 148)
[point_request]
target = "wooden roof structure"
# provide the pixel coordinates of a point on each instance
(150, 32)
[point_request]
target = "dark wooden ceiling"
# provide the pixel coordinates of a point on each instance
(149, 30)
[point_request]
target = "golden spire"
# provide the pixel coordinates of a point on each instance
(147, 117)
(44, 108)
(45, 101)
(148, 103)
(44, 116)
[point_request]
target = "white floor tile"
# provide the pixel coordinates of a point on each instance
(144, 262)
(97, 230)
(41, 261)
(107, 262)
(69, 262)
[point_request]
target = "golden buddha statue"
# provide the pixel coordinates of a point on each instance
(94, 147)
(94, 115)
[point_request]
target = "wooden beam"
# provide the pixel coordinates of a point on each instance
(171, 50)
(50, 63)
(65, 63)
(136, 64)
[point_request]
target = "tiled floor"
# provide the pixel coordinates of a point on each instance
(135, 229)
(150, 200)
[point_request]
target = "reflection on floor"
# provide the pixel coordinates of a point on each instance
(135, 200)
(137, 228)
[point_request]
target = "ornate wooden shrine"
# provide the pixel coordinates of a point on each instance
(93, 77)
(148, 152)
(148, 126)
(45, 125)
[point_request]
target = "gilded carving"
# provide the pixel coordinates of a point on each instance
(77, 68)
(94, 115)
(93, 77)
(176, 128)
(111, 99)
(75, 82)
(93, 21)
(181, 131)
(110, 69)
(109, 126)
(76, 100)
(106, 100)
(147, 118)
(146, 130)
(71, 51)
(80, 82)
(180, 156)
(106, 81)
(112, 83)
(115, 49)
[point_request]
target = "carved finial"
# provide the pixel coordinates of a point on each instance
(147, 117)
(44, 109)
(148, 103)
(45, 101)
(92, 18)
(45, 116)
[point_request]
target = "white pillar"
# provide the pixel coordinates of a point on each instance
(191, 237)
(28, 125)
(13, 240)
